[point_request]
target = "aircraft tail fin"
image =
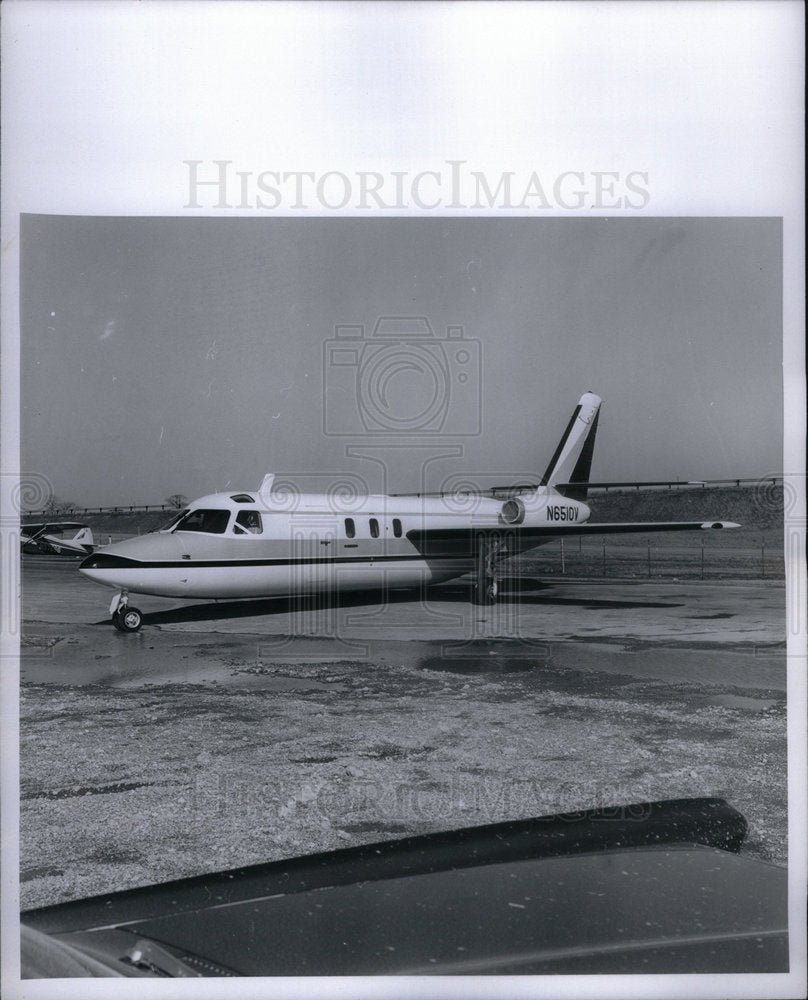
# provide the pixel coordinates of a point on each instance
(572, 461)
(85, 537)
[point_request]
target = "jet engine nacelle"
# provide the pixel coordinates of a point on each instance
(535, 509)
(513, 511)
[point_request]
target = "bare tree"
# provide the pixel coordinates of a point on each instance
(178, 500)
(55, 506)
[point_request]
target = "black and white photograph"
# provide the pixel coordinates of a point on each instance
(403, 555)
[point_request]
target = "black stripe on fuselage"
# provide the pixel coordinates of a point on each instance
(122, 562)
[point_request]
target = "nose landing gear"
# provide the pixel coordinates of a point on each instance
(124, 617)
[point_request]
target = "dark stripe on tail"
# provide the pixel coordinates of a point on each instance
(580, 474)
(545, 479)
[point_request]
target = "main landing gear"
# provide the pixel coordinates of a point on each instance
(489, 550)
(124, 617)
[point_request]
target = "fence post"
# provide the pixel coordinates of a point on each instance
(649, 560)
(604, 556)
(563, 564)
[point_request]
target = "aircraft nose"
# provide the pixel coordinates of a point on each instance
(105, 560)
(131, 553)
(149, 564)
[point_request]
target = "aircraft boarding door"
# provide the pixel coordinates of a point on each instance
(314, 549)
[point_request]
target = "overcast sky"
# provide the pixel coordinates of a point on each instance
(188, 355)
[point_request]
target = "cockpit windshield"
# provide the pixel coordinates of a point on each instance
(172, 521)
(213, 522)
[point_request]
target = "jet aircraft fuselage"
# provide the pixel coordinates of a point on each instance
(279, 543)
(231, 545)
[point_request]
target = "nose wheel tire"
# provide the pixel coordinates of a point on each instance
(127, 619)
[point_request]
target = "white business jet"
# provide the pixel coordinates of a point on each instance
(265, 544)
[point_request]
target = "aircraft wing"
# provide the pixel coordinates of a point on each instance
(31, 535)
(433, 541)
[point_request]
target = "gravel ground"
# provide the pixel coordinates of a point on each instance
(125, 787)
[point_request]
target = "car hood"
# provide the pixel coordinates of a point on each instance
(654, 888)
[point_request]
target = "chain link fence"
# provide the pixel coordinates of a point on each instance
(697, 559)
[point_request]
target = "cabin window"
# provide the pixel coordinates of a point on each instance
(243, 498)
(248, 522)
(212, 522)
(374, 528)
(350, 527)
(397, 527)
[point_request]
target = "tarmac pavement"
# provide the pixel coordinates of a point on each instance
(696, 631)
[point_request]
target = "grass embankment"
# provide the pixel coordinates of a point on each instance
(756, 508)
(753, 551)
